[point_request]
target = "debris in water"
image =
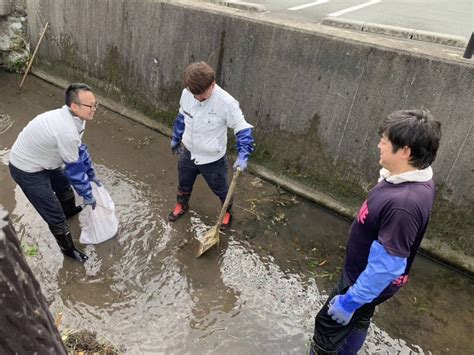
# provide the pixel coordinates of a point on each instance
(5, 122)
(84, 341)
(279, 218)
(30, 250)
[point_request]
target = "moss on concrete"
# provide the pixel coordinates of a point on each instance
(166, 117)
(69, 53)
(18, 55)
(18, 65)
(304, 159)
(452, 225)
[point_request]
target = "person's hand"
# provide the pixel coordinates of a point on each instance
(96, 181)
(240, 163)
(175, 147)
(90, 201)
(338, 311)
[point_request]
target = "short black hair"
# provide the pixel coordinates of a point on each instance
(70, 95)
(416, 129)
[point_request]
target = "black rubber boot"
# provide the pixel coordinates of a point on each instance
(64, 239)
(182, 200)
(68, 203)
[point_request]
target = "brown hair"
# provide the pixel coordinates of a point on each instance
(198, 77)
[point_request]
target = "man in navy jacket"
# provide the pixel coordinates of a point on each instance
(386, 234)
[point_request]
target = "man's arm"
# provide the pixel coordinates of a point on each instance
(88, 166)
(67, 146)
(178, 131)
(243, 134)
(75, 170)
(381, 270)
(245, 146)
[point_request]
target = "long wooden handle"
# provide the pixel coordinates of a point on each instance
(228, 197)
(33, 56)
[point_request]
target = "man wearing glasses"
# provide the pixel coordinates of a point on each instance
(50, 141)
(206, 112)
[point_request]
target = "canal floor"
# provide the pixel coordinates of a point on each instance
(256, 293)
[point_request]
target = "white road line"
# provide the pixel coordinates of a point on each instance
(354, 8)
(295, 8)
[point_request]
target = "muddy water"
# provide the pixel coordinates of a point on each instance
(257, 293)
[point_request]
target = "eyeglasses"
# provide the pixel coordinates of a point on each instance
(92, 107)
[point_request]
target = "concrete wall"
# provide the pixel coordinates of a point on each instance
(315, 96)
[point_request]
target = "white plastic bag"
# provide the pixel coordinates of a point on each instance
(100, 224)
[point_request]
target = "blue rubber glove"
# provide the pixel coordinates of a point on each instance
(96, 181)
(240, 163)
(76, 173)
(90, 201)
(176, 147)
(87, 161)
(382, 269)
(342, 307)
(245, 146)
(178, 131)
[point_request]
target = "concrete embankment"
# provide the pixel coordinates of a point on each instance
(314, 94)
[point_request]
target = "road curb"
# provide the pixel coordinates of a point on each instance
(243, 6)
(437, 250)
(395, 31)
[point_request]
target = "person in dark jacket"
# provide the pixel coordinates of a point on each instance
(386, 234)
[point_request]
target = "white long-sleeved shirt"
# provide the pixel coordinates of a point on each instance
(206, 123)
(48, 140)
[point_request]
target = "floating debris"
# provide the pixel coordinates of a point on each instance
(83, 341)
(144, 142)
(5, 122)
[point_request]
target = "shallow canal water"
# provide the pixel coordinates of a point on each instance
(256, 293)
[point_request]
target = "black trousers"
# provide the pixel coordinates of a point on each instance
(328, 334)
(41, 189)
(214, 173)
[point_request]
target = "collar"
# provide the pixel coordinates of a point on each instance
(80, 124)
(422, 175)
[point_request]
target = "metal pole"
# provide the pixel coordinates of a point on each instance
(469, 48)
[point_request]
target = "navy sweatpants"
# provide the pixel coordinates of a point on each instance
(214, 173)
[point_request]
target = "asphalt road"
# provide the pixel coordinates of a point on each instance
(452, 17)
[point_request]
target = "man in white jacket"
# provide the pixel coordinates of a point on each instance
(206, 112)
(50, 141)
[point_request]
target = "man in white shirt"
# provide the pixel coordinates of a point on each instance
(206, 112)
(49, 141)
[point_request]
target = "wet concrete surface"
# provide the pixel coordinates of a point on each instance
(256, 293)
